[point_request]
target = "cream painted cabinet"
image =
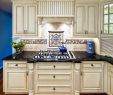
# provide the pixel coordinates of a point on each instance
(53, 78)
(24, 19)
(15, 77)
(86, 19)
(110, 79)
(92, 76)
(76, 76)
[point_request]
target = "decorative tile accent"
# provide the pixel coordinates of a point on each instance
(35, 41)
(75, 41)
(55, 38)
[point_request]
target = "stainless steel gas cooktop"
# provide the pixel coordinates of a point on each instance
(54, 55)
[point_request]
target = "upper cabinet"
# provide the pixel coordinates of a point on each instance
(86, 19)
(56, 8)
(24, 19)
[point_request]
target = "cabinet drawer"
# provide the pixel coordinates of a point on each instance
(54, 66)
(16, 65)
(54, 76)
(53, 71)
(53, 89)
(92, 65)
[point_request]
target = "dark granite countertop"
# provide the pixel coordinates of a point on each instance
(80, 56)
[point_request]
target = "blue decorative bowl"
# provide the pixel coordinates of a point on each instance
(62, 49)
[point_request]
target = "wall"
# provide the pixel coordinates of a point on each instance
(106, 46)
(5, 35)
(72, 43)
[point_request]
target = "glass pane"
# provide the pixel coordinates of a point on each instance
(105, 9)
(111, 28)
(105, 19)
(111, 18)
(111, 8)
(105, 28)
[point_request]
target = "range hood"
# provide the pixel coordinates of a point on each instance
(56, 8)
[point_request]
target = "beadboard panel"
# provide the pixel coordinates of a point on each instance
(106, 46)
(56, 8)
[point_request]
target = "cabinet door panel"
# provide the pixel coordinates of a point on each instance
(92, 81)
(80, 19)
(92, 19)
(17, 81)
(19, 19)
(31, 20)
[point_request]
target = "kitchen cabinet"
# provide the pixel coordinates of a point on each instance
(76, 81)
(15, 77)
(110, 79)
(86, 20)
(24, 19)
(57, 78)
(92, 76)
(53, 78)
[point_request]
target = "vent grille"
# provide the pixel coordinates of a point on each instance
(56, 8)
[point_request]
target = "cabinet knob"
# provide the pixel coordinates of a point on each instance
(54, 76)
(92, 65)
(16, 64)
(54, 89)
(54, 66)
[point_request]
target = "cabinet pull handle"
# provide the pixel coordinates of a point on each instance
(27, 73)
(54, 76)
(81, 73)
(92, 65)
(54, 66)
(101, 31)
(85, 31)
(16, 64)
(54, 89)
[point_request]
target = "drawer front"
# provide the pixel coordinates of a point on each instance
(16, 65)
(54, 66)
(54, 89)
(92, 65)
(54, 76)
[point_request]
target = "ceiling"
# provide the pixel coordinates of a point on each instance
(6, 5)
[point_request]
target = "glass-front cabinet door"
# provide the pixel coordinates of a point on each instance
(108, 19)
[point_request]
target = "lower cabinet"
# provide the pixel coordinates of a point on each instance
(110, 79)
(57, 78)
(15, 77)
(92, 77)
(54, 78)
